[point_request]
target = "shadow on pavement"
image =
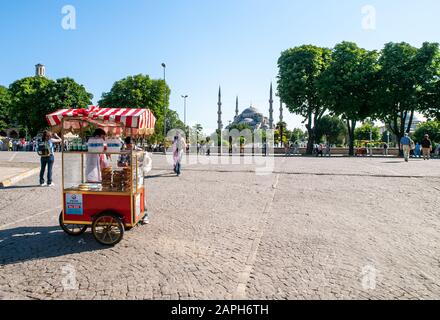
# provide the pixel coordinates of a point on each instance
(33, 243)
(164, 175)
(393, 162)
(20, 187)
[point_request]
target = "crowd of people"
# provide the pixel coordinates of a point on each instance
(24, 145)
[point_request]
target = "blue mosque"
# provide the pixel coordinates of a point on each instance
(250, 116)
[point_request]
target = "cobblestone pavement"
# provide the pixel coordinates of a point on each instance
(313, 229)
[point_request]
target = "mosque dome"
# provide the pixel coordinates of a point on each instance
(252, 117)
(250, 110)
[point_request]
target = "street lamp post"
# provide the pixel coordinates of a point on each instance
(164, 106)
(184, 114)
(388, 141)
(184, 108)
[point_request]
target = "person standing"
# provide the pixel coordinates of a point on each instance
(320, 150)
(405, 145)
(328, 149)
(385, 149)
(46, 152)
(208, 147)
(179, 145)
(426, 147)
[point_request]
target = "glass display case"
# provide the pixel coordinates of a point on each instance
(117, 172)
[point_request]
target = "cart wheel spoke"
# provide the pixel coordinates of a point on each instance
(108, 229)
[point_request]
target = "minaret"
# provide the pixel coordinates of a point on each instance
(271, 108)
(219, 121)
(236, 108)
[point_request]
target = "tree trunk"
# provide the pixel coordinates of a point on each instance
(311, 132)
(411, 117)
(351, 128)
(311, 141)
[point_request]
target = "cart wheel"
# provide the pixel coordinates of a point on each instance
(72, 229)
(108, 229)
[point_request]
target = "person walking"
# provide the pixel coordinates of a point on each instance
(179, 145)
(426, 147)
(46, 152)
(405, 145)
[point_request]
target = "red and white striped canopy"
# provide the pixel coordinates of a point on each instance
(137, 120)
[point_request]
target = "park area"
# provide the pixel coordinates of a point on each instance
(311, 228)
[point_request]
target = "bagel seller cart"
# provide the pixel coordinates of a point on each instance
(117, 202)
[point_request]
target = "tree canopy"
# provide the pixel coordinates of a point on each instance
(351, 82)
(348, 85)
(300, 70)
(408, 78)
(430, 127)
(332, 128)
(367, 131)
(5, 103)
(140, 91)
(34, 97)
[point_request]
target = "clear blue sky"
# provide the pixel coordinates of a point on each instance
(205, 43)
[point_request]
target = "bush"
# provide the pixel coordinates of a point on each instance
(430, 127)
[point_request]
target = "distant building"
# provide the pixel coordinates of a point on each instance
(252, 117)
(40, 70)
(415, 122)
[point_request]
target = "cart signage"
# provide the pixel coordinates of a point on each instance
(74, 204)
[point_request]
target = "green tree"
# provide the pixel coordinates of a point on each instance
(363, 132)
(298, 135)
(5, 103)
(173, 121)
(430, 127)
(198, 128)
(35, 97)
(140, 91)
(300, 70)
(332, 128)
(240, 127)
(406, 82)
(196, 134)
(281, 127)
(387, 136)
(348, 85)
